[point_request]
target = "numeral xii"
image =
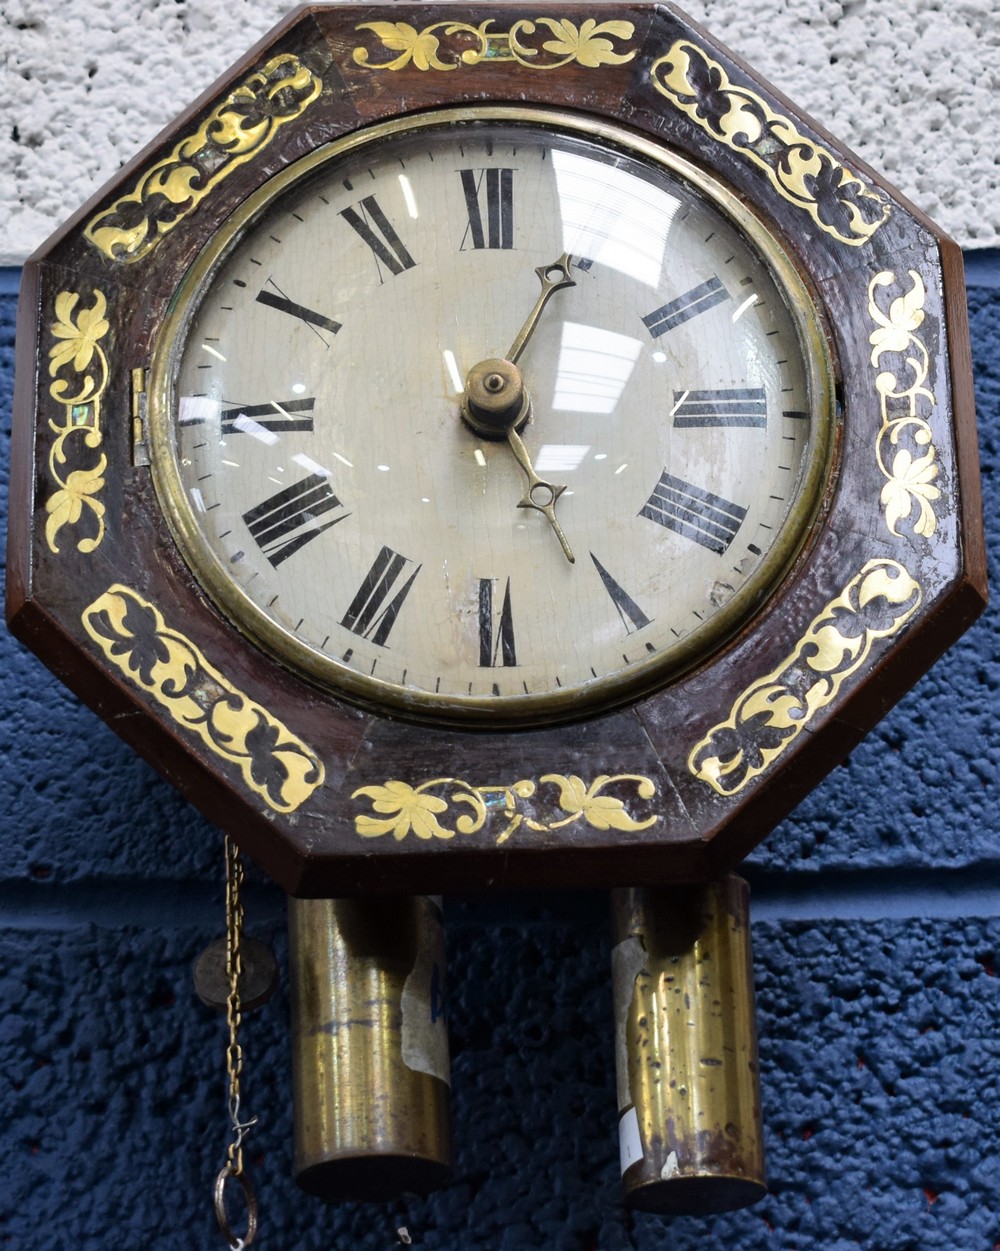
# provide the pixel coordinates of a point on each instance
(492, 189)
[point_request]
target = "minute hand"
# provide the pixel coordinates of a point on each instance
(553, 277)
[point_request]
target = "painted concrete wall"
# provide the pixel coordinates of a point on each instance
(877, 905)
(909, 84)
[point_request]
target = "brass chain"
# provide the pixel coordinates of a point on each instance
(233, 1168)
(234, 1016)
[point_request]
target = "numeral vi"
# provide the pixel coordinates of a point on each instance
(496, 630)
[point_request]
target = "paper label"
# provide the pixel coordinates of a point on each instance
(629, 1140)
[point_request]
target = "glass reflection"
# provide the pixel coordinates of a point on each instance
(307, 463)
(594, 367)
(560, 457)
(612, 216)
(193, 409)
(749, 302)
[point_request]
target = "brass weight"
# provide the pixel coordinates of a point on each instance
(686, 1048)
(370, 1068)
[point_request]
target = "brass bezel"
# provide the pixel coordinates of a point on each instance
(495, 712)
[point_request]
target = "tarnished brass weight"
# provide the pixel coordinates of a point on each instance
(686, 1048)
(369, 1047)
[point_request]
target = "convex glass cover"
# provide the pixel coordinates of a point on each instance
(493, 414)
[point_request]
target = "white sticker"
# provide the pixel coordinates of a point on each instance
(425, 1030)
(629, 1141)
(628, 959)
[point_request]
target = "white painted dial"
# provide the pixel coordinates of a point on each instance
(310, 448)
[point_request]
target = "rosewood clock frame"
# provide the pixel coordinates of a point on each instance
(334, 799)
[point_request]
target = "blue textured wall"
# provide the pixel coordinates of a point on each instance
(877, 942)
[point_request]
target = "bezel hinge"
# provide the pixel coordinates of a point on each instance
(140, 441)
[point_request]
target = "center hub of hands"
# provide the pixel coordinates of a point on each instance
(495, 399)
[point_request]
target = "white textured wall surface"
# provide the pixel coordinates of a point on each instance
(910, 85)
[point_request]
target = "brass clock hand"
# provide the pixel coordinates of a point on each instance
(540, 495)
(553, 278)
(496, 401)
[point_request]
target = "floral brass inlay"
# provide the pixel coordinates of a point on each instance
(80, 368)
(909, 477)
(446, 45)
(403, 808)
(131, 633)
(801, 170)
(236, 130)
(768, 716)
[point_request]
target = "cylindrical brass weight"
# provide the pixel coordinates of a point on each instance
(686, 1048)
(369, 1047)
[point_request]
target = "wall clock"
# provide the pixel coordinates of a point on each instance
(514, 448)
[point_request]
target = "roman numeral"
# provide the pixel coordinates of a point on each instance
(277, 299)
(633, 618)
(699, 515)
(286, 522)
(277, 416)
(732, 407)
(698, 300)
(496, 633)
(498, 229)
(376, 606)
(379, 233)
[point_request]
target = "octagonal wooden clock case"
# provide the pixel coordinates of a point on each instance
(489, 447)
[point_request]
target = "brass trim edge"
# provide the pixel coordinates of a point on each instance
(554, 706)
(403, 808)
(909, 478)
(133, 636)
(802, 171)
(589, 45)
(773, 712)
(237, 129)
(79, 366)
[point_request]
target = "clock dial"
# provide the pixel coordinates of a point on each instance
(366, 482)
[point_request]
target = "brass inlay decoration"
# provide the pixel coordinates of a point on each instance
(80, 368)
(800, 170)
(244, 123)
(446, 45)
(909, 471)
(275, 764)
(403, 808)
(771, 714)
